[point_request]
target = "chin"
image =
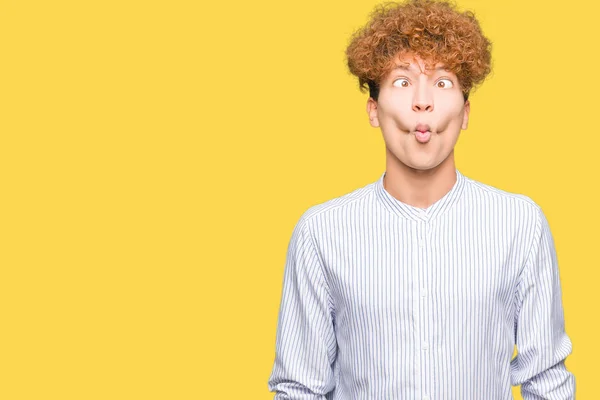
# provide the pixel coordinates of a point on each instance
(423, 167)
(424, 163)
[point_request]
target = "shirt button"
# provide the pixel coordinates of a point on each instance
(425, 397)
(423, 292)
(422, 244)
(425, 345)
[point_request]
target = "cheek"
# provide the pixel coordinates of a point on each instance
(450, 114)
(396, 109)
(451, 105)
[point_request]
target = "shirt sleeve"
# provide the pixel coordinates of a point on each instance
(306, 347)
(542, 342)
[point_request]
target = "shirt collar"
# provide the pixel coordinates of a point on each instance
(408, 211)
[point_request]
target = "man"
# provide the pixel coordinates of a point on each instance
(418, 285)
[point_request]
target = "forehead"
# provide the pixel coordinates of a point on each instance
(412, 64)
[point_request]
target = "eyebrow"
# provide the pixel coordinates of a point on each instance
(407, 68)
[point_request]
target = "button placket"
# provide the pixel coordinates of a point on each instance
(417, 278)
(423, 238)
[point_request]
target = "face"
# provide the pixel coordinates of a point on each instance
(411, 100)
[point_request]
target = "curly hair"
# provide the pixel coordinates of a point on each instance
(433, 30)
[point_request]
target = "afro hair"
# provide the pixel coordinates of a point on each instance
(432, 29)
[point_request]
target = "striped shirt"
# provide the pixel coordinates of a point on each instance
(383, 300)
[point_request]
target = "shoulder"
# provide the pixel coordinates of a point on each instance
(497, 200)
(353, 202)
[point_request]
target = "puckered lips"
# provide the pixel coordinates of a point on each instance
(423, 133)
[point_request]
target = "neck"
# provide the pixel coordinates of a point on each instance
(419, 188)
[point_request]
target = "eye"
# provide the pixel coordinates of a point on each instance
(444, 84)
(403, 82)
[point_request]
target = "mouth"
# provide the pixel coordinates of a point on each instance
(423, 136)
(423, 133)
(422, 128)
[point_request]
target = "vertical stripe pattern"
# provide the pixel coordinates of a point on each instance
(383, 300)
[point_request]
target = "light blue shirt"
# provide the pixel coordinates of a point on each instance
(382, 300)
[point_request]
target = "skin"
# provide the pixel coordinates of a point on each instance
(419, 174)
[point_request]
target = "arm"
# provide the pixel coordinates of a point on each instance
(306, 346)
(542, 342)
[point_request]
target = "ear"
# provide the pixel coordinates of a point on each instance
(467, 110)
(372, 112)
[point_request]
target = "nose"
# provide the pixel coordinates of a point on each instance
(422, 106)
(422, 100)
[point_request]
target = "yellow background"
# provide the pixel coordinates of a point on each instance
(155, 156)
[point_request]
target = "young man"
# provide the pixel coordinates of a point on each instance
(418, 285)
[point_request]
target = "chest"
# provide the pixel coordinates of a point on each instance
(400, 271)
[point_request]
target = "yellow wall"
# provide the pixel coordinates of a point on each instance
(155, 156)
